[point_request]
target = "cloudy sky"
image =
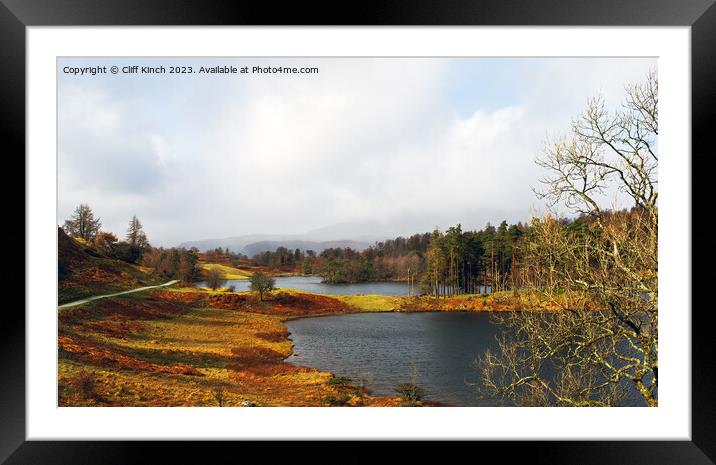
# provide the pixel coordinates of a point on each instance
(380, 146)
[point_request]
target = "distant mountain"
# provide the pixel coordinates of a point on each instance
(235, 244)
(256, 243)
(357, 235)
(318, 247)
(360, 234)
(361, 231)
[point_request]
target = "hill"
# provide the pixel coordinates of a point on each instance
(235, 244)
(318, 247)
(252, 244)
(229, 272)
(82, 271)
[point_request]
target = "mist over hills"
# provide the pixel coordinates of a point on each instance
(357, 235)
(318, 247)
(242, 245)
(234, 244)
(253, 244)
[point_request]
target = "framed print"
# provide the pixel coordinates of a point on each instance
(419, 222)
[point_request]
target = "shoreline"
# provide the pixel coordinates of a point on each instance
(176, 346)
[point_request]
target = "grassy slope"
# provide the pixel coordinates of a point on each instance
(497, 301)
(176, 348)
(179, 347)
(228, 271)
(84, 272)
(494, 302)
(373, 302)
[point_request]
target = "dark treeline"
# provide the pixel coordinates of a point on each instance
(466, 261)
(441, 263)
(181, 264)
(349, 266)
(401, 246)
(499, 258)
(437, 263)
(226, 256)
(287, 260)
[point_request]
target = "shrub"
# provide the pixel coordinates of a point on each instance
(219, 395)
(214, 279)
(85, 385)
(410, 394)
(126, 252)
(341, 400)
(339, 381)
(105, 242)
(231, 288)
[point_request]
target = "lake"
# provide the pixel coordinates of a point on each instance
(384, 347)
(313, 284)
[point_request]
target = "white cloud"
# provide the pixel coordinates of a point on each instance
(365, 139)
(105, 144)
(160, 148)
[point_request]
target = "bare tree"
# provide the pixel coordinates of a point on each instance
(602, 346)
(82, 223)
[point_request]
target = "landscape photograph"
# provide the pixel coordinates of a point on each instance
(357, 232)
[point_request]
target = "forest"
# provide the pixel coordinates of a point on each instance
(438, 263)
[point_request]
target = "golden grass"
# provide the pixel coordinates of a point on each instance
(188, 347)
(289, 303)
(185, 358)
(523, 300)
(228, 271)
(372, 302)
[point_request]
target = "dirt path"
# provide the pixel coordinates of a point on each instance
(89, 299)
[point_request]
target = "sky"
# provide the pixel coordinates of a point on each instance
(367, 146)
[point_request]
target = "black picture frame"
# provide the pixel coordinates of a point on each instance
(16, 15)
